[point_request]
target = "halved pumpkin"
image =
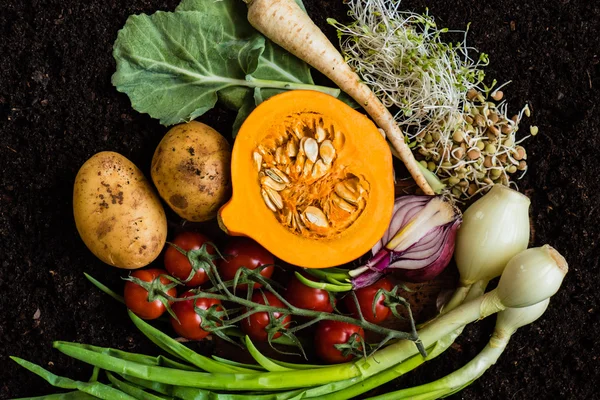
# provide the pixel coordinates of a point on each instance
(312, 180)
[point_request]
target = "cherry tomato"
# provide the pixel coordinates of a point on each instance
(189, 325)
(365, 298)
(178, 264)
(136, 297)
(254, 326)
(302, 296)
(244, 252)
(328, 334)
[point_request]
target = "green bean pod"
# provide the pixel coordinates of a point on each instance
(74, 395)
(96, 389)
(264, 361)
(133, 390)
(237, 364)
(159, 360)
(188, 393)
(271, 381)
(177, 349)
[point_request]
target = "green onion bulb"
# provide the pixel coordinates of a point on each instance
(511, 319)
(531, 276)
(495, 228)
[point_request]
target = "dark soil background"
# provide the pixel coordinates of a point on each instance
(58, 107)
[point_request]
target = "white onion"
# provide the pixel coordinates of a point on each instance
(495, 228)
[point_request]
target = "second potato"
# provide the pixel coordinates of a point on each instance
(191, 170)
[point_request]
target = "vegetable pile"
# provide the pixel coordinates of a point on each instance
(307, 188)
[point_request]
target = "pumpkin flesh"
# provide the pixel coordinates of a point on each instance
(312, 180)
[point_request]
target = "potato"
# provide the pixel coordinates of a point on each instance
(117, 213)
(191, 170)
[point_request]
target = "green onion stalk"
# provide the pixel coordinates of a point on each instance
(409, 364)
(530, 277)
(507, 323)
(538, 263)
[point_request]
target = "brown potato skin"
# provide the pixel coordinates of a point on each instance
(117, 213)
(191, 170)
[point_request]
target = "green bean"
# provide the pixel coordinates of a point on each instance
(167, 362)
(179, 350)
(95, 373)
(282, 340)
(105, 289)
(265, 362)
(135, 357)
(187, 393)
(255, 381)
(93, 388)
(75, 395)
(298, 366)
(132, 390)
(237, 364)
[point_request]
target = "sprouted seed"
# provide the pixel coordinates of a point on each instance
(437, 90)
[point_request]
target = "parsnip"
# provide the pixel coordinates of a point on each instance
(286, 24)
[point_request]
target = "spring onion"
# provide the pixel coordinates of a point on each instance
(531, 276)
(507, 324)
(540, 270)
(495, 228)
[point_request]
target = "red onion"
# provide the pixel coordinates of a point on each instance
(418, 244)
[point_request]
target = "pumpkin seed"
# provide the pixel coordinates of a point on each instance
(343, 204)
(291, 148)
(347, 193)
(319, 169)
(299, 131)
(274, 197)
(316, 216)
(308, 166)
(277, 175)
(257, 157)
(287, 214)
(271, 183)
(267, 200)
(338, 140)
(327, 151)
(320, 133)
(279, 155)
(299, 221)
(311, 149)
(299, 163)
